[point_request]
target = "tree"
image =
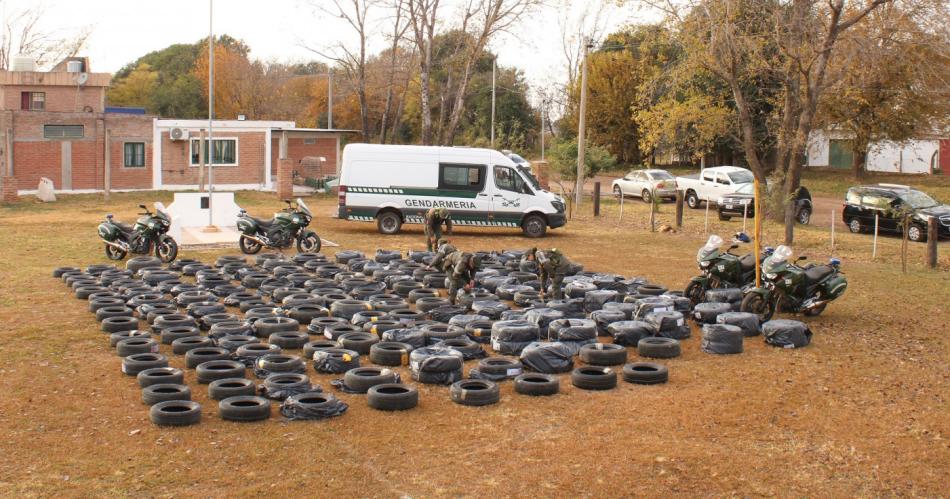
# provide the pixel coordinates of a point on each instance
(422, 16)
(136, 89)
(563, 161)
(893, 86)
(24, 33)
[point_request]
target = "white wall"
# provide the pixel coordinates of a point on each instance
(818, 145)
(913, 156)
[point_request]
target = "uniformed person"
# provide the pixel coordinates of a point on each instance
(461, 268)
(434, 219)
(445, 249)
(553, 266)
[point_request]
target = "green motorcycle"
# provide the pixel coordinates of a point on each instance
(792, 288)
(150, 231)
(721, 269)
(280, 232)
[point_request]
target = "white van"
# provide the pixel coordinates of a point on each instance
(394, 185)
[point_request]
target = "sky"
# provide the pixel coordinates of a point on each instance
(123, 30)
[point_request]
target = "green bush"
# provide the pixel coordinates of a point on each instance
(563, 160)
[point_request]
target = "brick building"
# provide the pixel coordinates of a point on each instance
(55, 124)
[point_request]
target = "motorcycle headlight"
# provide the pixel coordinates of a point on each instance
(296, 220)
(705, 264)
(151, 225)
(770, 276)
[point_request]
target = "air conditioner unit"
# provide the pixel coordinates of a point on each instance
(178, 134)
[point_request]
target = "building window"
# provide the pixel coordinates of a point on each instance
(309, 142)
(225, 152)
(33, 101)
(63, 131)
(134, 155)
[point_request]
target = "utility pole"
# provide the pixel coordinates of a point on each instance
(492, 140)
(542, 129)
(581, 131)
(330, 98)
(210, 111)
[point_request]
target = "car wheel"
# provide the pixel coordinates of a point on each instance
(388, 223)
(854, 225)
(724, 218)
(645, 195)
(804, 216)
(534, 226)
(692, 200)
(916, 233)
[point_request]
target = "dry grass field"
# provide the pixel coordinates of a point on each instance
(863, 411)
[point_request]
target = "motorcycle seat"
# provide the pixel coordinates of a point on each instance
(123, 227)
(818, 272)
(263, 223)
(747, 262)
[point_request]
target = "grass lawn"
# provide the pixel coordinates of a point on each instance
(863, 411)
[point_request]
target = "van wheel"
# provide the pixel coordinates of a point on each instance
(692, 200)
(388, 223)
(534, 226)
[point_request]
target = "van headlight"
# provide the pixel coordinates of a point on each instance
(558, 205)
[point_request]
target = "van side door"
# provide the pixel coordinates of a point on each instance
(462, 190)
(511, 196)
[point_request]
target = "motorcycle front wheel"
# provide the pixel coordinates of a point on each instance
(166, 248)
(695, 292)
(249, 246)
(758, 304)
(308, 242)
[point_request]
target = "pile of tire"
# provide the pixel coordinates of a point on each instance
(436, 365)
(510, 337)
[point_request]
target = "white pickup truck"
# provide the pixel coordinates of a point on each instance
(712, 183)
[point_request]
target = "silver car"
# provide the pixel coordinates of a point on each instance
(645, 183)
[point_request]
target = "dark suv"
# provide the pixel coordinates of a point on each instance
(888, 201)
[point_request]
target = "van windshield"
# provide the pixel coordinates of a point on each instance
(526, 173)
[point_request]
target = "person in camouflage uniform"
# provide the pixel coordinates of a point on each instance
(461, 268)
(552, 265)
(445, 249)
(434, 219)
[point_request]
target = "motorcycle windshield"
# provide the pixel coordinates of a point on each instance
(711, 249)
(161, 210)
(777, 260)
(303, 208)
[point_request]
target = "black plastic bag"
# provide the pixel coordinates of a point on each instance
(335, 360)
(786, 333)
(747, 322)
(411, 336)
(629, 333)
(669, 324)
(605, 317)
(549, 358)
(652, 304)
(543, 317)
(312, 405)
(572, 330)
(595, 300)
(721, 339)
(490, 308)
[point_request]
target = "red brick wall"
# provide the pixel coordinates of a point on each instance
(58, 98)
(129, 128)
(32, 160)
(176, 169)
(297, 151)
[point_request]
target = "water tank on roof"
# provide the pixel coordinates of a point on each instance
(74, 67)
(23, 62)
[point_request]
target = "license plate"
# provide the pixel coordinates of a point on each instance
(728, 206)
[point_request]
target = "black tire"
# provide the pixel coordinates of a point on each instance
(219, 369)
(359, 342)
(181, 346)
(132, 346)
(475, 392)
(269, 325)
(500, 366)
(390, 353)
(695, 292)
(279, 386)
(198, 356)
(120, 323)
(114, 253)
(392, 397)
(160, 376)
(244, 408)
(646, 197)
(724, 218)
(692, 200)
(221, 389)
(134, 364)
(175, 413)
(161, 392)
(361, 379)
(757, 304)
(916, 233)
(855, 226)
(804, 216)
(169, 335)
(470, 349)
(594, 378)
(645, 373)
(651, 289)
(309, 242)
(114, 311)
(249, 246)
(289, 340)
(141, 262)
(534, 226)
(603, 354)
(659, 348)
(115, 338)
(537, 384)
(388, 223)
(166, 249)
